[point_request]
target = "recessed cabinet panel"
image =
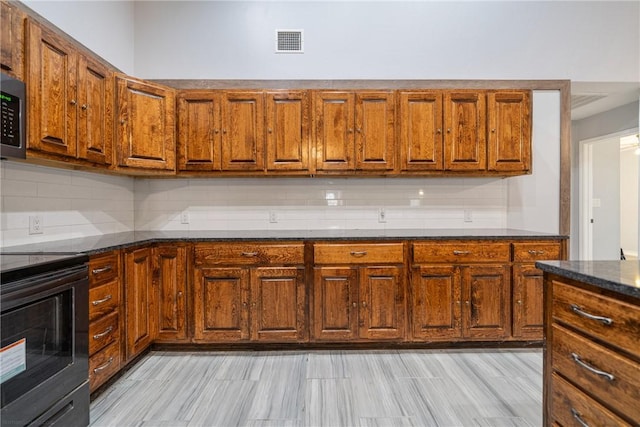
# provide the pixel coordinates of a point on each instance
(335, 303)
(435, 296)
(243, 131)
(528, 319)
(138, 301)
(375, 132)
(288, 136)
(465, 135)
(335, 145)
(381, 303)
(170, 292)
(421, 139)
(486, 296)
(199, 131)
(509, 145)
(12, 37)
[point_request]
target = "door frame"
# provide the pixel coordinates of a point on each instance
(586, 188)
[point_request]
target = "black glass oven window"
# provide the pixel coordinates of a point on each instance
(47, 326)
(10, 119)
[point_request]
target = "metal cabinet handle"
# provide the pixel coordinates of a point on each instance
(364, 304)
(101, 367)
(358, 253)
(84, 107)
(578, 310)
(448, 130)
(578, 418)
(100, 301)
(532, 252)
(461, 252)
(438, 131)
(73, 102)
(102, 334)
(249, 254)
(270, 130)
(355, 305)
(101, 270)
(576, 358)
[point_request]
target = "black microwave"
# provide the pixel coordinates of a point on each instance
(13, 99)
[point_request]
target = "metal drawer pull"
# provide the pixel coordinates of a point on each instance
(532, 252)
(461, 252)
(590, 368)
(604, 320)
(100, 301)
(249, 254)
(578, 418)
(358, 253)
(106, 332)
(102, 367)
(101, 270)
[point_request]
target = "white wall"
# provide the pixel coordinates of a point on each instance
(71, 204)
(606, 194)
(629, 192)
(105, 27)
(583, 41)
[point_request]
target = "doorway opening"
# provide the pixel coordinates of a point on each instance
(609, 196)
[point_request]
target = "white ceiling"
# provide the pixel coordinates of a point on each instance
(589, 98)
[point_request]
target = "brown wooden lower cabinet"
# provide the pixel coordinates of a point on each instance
(138, 286)
(528, 318)
(170, 292)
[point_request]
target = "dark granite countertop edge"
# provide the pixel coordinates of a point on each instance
(598, 274)
(93, 245)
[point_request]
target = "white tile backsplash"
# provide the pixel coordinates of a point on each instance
(71, 203)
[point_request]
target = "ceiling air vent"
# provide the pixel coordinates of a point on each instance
(289, 41)
(580, 100)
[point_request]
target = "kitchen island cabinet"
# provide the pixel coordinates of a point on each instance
(592, 357)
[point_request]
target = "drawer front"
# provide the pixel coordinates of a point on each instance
(103, 365)
(571, 407)
(461, 252)
(103, 268)
(354, 253)
(611, 320)
(611, 378)
(103, 299)
(103, 332)
(249, 254)
(524, 252)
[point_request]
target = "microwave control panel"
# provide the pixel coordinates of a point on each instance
(10, 119)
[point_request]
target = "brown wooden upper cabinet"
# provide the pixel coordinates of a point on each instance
(465, 144)
(509, 121)
(70, 100)
(355, 130)
(12, 37)
(145, 129)
(420, 128)
(288, 130)
(242, 131)
(199, 131)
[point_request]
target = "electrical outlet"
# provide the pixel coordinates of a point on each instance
(184, 217)
(35, 224)
(382, 215)
(468, 216)
(273, 217)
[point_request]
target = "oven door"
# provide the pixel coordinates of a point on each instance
(43, 344)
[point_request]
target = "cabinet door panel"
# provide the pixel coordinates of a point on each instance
(243, 131)
(375, 132)
(146, 133)
(278, 304)
(465, 136)
(199, 131)
(487, 310)
(288, 136)
(421, 143)
(95, 115)
(170, 292)
(381, 303)
(509, 142)
(52, 73)
(139, 300)
(12, 36)
(221, 304)
(335, 145)
(335, 304)
(435, 303)
(528, 319)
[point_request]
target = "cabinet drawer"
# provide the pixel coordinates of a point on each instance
(354, 253)
(461, 252)
(103, 365)
(103, 299)
(611, 320)
(616, 384)
(249, 254)
(523, 252)
(103, 268)
(103, 332)
(571, 407)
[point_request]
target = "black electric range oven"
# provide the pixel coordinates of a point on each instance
(44, 340)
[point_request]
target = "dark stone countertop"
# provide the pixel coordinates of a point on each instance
(618, 276)
(96, 244)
